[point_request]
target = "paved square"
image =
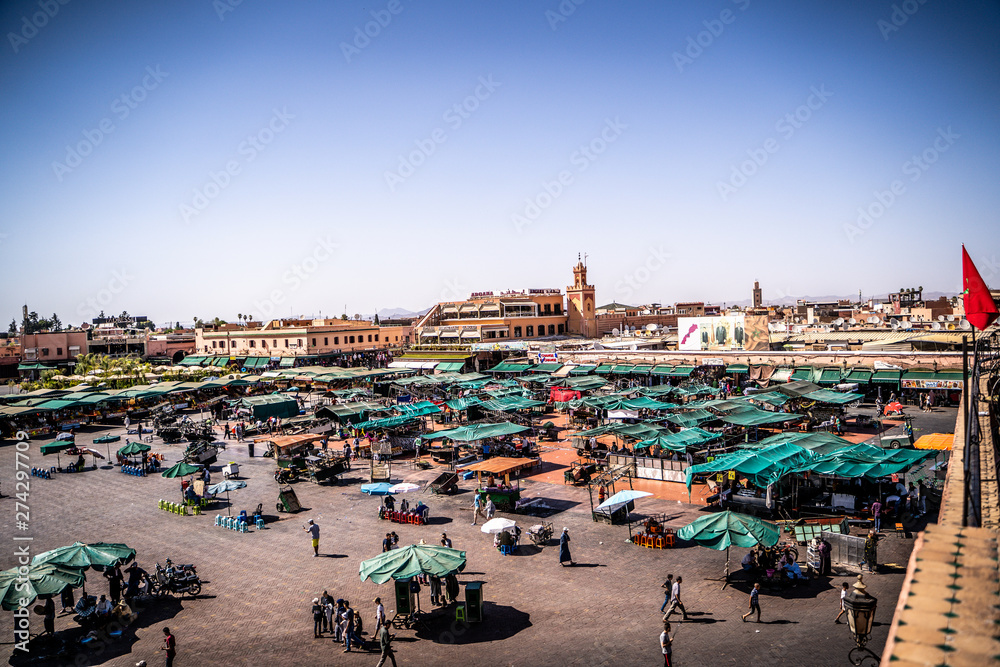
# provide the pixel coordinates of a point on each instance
(255, 605)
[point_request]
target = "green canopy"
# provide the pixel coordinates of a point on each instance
(133, 448)
(411, 561)
(679, 442)
(691, 418)
(180, 469)
(44, 579)
(757, 417)
(725, 529)
(56, 446)
(475, 432)
(82, 555)
(834, 397)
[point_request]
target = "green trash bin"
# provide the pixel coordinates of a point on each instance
(474, 602)
(403, 598)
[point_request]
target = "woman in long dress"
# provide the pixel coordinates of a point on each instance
(871, 551)
(564, 548)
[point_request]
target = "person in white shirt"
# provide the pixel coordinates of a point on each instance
(104, 606)
(843, 609)
(379, 613)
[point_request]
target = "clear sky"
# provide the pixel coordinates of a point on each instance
(191, 158)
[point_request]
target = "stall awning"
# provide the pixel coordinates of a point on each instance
(935, 441)
(920, 375)
(832, 397)
(886, 377)
(583, 369)
(859, 375)
(549, 367)
(804, 373)
(782, 375)
(286, 362)
(604, 369)
(622, 369)
(662, 370)
(681, 371)
(737, 368)
(449, 366)
(830, 376)
(642, 369)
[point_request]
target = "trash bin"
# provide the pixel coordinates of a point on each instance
(474, 602)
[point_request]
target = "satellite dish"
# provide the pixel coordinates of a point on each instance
(936, 326)
(965, 325)
(940, 318)
(852, 321)
(652, 327)
(894, 324)
(839, 321)
(615, 332)
(872, 320)
(950, 318)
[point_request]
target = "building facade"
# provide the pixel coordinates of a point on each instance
(289, 338)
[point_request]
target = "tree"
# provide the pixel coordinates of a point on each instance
(12, 329)
(376, 319)
(54, 323)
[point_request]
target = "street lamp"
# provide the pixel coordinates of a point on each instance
(860, 607)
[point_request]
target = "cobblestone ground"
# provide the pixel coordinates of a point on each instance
(255, 605)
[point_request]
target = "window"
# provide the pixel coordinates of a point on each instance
(548, 309)
(376, 338)
(541, 330)
(352, 339)
(517, 332)
(336, 340)
(286, 342)
(326, 341)
(263, 344)
(561, 329)
(214, 343)
(59, 351)
(369, 338)
(314, 342)
(298, 342)
(253, 343)
(558, 309)
(529, 330)
(552, 330)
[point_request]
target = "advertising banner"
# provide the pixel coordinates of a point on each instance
(703, 334)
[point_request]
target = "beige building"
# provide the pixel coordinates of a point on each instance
(511, 315)
(288, 338)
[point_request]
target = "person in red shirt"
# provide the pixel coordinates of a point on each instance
(169, 646)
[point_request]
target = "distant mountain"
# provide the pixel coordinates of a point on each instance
(392, 313)
(791, 300)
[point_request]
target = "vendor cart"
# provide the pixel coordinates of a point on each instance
(324, 469)
(287, 500)
(540, 534)
(446, 482)
(203, 453)
(231, 471)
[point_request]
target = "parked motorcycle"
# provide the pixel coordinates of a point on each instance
(176, 580)
(285, 475)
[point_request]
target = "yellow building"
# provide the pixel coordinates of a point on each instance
(285, 338)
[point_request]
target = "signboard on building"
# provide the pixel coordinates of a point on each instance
(702, 334)
(505, 346)
(931, 384)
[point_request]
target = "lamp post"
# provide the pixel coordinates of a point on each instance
(860, 616)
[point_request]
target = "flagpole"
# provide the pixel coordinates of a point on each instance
(965, 434)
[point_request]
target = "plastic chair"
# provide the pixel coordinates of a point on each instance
(658, 542)
(260, 522)
(668, 540)
(218, 519)
(505, 550)
(460, 612)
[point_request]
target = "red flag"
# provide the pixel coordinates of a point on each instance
(980, 309)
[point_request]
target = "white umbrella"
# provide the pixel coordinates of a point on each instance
(497, 525)
(621, 498)
(403, 487)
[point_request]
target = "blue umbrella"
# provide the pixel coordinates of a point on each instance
(226, 486)
(621, 498)
(380, 489)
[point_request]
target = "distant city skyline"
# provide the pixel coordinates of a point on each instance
(209, 159)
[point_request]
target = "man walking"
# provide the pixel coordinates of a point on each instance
(675, 600)
(665, 643)
(313, 531)
(668, 585)
(385, 643)
(877, 515)
(169, 646)
(477, 508)
(754, 603)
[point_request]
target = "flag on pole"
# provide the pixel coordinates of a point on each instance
(980, 309)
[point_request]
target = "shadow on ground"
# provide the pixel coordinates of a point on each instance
(499, 623)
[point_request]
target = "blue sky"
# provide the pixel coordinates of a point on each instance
(203, 159)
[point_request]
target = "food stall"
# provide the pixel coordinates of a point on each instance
(290, 451)
(503, 494)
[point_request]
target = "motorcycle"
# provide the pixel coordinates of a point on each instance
(181, 580)
(285, 475)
